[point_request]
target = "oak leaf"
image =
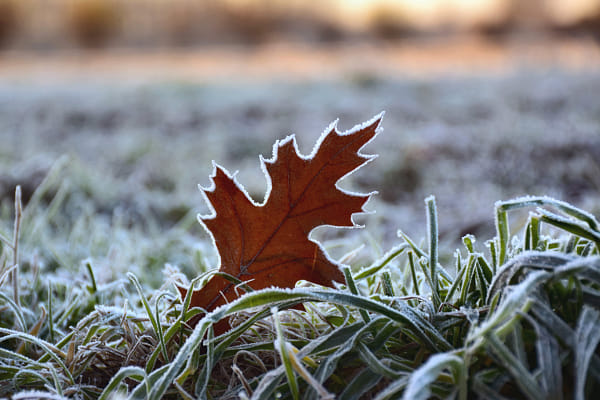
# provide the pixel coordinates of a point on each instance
(268, 244)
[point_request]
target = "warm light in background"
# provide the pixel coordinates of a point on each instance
(568, 12)
(428, 14)
(51, 24)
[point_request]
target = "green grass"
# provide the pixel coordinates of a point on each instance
(514, 317)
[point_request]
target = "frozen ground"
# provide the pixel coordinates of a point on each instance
(136, 152)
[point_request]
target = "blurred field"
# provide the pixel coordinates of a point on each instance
(470, 124)
(416, 58)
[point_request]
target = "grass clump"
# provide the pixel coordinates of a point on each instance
(519, 318)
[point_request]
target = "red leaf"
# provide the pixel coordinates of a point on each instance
(267, 244)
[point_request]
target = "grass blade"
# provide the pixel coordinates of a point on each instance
(153, 319)
(125, 372)
(379, 264)
(418, 387)
(587, 337)
(282, 349)
(432, 228)
(360, 384)
(521, 375)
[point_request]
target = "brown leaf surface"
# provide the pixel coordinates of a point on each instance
(267, 244)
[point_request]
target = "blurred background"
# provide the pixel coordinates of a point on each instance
(118, 107)
(59, 24)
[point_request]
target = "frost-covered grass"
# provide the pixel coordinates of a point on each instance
(143, 148)
(513, 317)
(109, 180)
